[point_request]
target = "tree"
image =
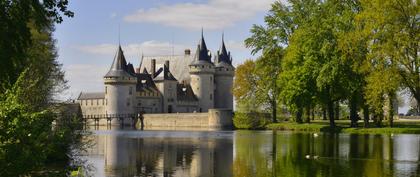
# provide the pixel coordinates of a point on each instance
(245, 86)
(392, 27)
(15, 32)
(268, 69)
(29, 77)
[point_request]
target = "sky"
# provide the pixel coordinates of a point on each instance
(88, 42)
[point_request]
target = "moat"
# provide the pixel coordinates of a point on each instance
(250, 153)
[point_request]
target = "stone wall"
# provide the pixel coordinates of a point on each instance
(214, 119)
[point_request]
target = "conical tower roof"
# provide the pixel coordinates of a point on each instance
(202, 53)
(223, 55)
(119, 65)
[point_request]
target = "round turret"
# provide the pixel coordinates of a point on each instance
(202, 77)
(120, 89)
(223, 77)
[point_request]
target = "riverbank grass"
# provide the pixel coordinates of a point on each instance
(411, 127)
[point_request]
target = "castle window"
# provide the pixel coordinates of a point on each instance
(211, 78)
(202, 66)
(130, 92)
(91, 102)
(211, 96)
(103, 102)
(106, 101)
(97, 102)
(106, 90)
(128, 101)
(86, 102)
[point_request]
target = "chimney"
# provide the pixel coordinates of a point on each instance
(167, 63)
(153, 67)
(187, 52)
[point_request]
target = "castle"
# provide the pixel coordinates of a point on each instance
(165, 84)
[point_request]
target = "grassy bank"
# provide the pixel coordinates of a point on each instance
(401, 126)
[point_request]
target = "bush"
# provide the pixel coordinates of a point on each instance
(252, 120)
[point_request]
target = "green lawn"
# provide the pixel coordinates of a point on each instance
(400, 126)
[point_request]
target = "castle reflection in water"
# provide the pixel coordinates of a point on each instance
(157, 153)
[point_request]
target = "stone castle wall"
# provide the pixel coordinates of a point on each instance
(214, 119)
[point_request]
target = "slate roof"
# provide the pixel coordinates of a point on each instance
(145, 82)
(91, 95)
(164, 73)
(202, 54)
(119, 65)
(223, 56)
(185, 93)
(178, 65)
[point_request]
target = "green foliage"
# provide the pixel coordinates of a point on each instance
(17, 18)
(29, 77)
(27, 134)
(251, 120)
(356, 52)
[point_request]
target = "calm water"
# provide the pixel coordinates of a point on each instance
(251, 153)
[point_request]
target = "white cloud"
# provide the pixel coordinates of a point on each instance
(113, 15)
(134, 50)
(215, 14)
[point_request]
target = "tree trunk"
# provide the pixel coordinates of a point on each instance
(308, 114)
(330, 108)
(378, 119)
(274, 112)
(366, 116)
(324, 113)
(391, 111)
(299, 115)
(313, 113)
(353, 112)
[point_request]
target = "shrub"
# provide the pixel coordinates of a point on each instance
(252, 120)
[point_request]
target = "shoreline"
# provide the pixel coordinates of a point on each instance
(401, 127)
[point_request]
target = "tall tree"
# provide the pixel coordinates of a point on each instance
(15, 32)
(245, 86)
(392, 26)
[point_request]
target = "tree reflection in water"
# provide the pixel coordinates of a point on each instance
(261, 154)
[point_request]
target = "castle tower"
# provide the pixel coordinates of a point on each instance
(202, 77)
(120, 88)
(223, 78)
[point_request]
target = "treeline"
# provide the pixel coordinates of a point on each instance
(30, 77)
(317, 54)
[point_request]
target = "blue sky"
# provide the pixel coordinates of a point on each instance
(87, 43)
